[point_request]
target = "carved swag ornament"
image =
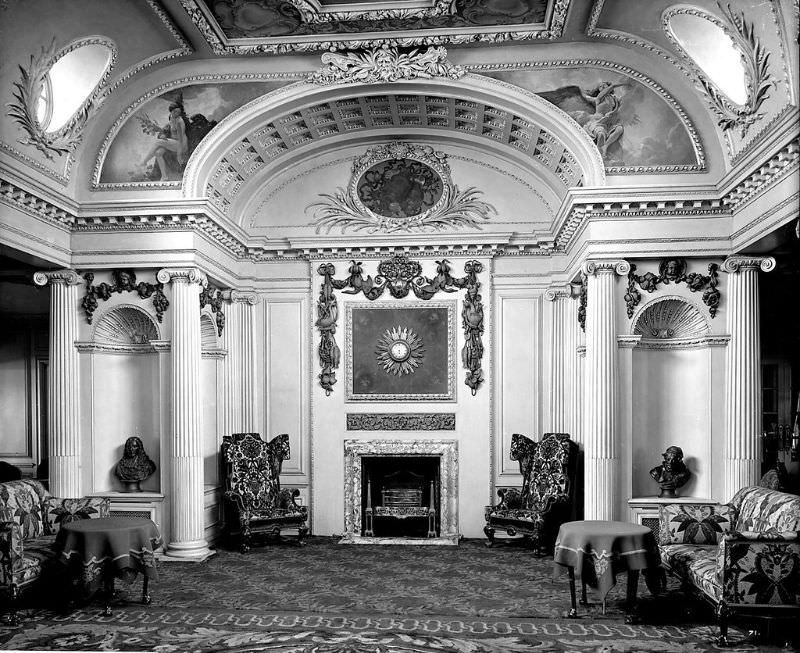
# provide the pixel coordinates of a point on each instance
(674, 271)
(123, 281)
(399, 276)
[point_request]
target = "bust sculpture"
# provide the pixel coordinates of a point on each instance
(672, 473)
(135, 465)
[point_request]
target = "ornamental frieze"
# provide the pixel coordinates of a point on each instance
(401, 421)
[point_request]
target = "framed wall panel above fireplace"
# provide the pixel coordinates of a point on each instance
(400, 351)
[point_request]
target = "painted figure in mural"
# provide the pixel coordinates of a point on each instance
(672, 473)
(603, 125)
(135, 465)
(171, 138)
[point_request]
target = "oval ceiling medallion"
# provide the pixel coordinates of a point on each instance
(400, 188)
(670, 319)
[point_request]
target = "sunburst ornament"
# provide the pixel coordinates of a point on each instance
(400, 351)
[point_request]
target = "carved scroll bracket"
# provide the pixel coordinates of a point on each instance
(674, 271)
(400, 276)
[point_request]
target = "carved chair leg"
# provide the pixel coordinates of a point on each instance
(146, 598)
(12, 619)
(301, 533)
(245, 545)
(723, 616)
(489, 531)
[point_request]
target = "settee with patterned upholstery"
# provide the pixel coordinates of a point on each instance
(30, 518)
(254, 500)
(548, 469)
(743, 557)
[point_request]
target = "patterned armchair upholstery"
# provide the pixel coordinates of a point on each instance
(254, 500)
(743, 557)
(29, 520)
(548, 488)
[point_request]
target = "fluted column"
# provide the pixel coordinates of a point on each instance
(743, 373)
(186, 497)
(560, 359)
(63, 409)
(602, 451)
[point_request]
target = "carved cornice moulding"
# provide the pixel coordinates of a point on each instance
(734, 264)
(638, 342)
(114, 348)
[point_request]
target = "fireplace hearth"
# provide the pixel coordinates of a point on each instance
(401, 492)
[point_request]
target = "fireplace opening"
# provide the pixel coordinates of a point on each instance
(400, 496)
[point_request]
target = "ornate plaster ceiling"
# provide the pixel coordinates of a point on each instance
(275, 26)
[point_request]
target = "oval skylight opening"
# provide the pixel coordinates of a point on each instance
(713, 51)
(70, 81)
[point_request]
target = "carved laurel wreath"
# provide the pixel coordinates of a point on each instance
(755, 58)
(455, 208)
(29, 89)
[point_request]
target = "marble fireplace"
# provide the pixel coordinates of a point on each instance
(358, 453)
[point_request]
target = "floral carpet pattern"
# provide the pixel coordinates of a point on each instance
(326, 598)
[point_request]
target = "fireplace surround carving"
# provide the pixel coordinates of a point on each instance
(355, 450)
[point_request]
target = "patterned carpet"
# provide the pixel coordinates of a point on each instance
(327, 598)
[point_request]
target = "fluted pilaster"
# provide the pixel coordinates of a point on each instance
(63, 403)
(576, 355)
(560, 359)
(186, 497)
(240, 402)
(743, 373)
(601, 447)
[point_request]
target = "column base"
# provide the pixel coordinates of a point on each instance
(196, 551)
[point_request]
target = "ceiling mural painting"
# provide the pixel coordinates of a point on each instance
(156, 141)
(400, 188)
(634, 129)
(279, 26)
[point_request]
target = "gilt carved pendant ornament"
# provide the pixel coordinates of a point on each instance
(674, 271)
(400, 188)
(400, 350)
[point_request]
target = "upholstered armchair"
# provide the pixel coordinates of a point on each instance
(548, 488)
(254, 500)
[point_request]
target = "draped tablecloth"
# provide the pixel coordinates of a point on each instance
(599, 550)
(97, 550)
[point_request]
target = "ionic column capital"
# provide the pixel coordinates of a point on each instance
(605, 266)
(558, 292)
(182, 275)
(734, 264)
(66, 277)
(240, 297)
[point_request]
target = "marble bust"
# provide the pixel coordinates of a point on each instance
(135, 465)
(672, 473)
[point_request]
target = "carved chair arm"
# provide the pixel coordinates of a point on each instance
(759, 568)
(235, 498)
(287, 498)
(10, 549)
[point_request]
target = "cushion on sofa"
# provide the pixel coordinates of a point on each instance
(695, 563)
(695, 524)
(62, 511)
(764, 510)
(21, 503)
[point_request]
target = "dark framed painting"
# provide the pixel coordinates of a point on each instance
(400, 351)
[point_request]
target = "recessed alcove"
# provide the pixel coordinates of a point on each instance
(671, 373)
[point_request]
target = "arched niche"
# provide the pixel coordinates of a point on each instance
(125, 372)
(672, 393)
(125, 326)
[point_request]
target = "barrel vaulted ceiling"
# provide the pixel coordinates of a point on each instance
(524, 107)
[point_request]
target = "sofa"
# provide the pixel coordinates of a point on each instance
(743, 557)
(30, 518)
